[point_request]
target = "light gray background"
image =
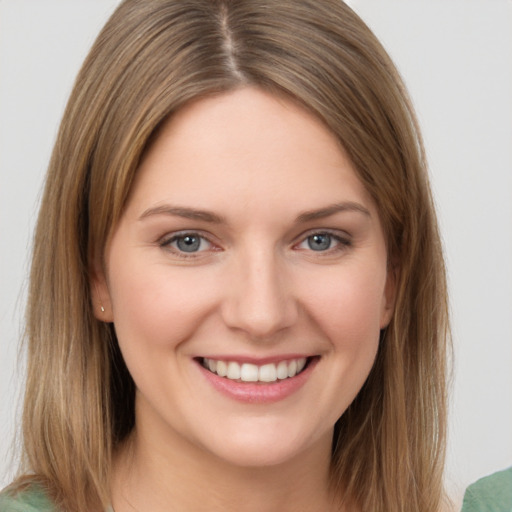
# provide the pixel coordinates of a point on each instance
(456, 58)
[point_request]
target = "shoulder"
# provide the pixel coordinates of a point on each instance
(490, 494)
(32, 499)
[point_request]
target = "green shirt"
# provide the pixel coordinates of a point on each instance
(31, 500)
(490, 494)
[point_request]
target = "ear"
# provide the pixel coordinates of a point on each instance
(101, 302)
(389, 296)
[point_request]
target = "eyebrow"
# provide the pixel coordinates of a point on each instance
(332, 209)
(206, 216)
(180, 211)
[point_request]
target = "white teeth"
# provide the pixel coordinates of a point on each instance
(222, 368)
(268, 373)
(247, 372)
(282, 370)
(292, 368)
(233, 370)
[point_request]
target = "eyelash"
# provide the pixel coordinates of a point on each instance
(341, 243)
(166, 242)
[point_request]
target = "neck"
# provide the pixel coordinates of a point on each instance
(151, 475)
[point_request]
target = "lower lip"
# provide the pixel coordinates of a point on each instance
(262, 392)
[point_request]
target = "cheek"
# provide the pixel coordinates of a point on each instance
(347, 305)
(158, 306)
(345, 308)
(156, 311)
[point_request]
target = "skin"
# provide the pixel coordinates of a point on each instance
(259, 165)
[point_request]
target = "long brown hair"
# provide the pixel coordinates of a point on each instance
(151, 58)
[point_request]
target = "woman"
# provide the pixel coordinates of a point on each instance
(237, 298)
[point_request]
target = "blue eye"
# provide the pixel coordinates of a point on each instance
(187, 243)
(323, 241)
(319, 241)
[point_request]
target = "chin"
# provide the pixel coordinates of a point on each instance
(266, 445)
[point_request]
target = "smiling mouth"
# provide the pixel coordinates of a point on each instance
(248, 372)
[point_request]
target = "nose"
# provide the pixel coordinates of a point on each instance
(259, 299)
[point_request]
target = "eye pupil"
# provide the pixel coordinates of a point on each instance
(188, 243)
(319, 242)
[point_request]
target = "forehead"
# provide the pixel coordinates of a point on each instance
(250, 146)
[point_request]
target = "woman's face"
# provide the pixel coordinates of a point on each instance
(247, 281)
